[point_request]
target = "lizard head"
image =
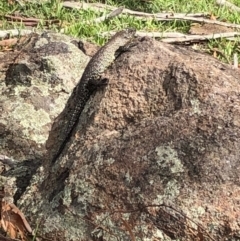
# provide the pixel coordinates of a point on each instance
(128, 33)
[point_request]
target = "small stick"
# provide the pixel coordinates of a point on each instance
(153, 34)
(175, 37)
(113, 14)
(200, 37)
(235, 61)
(198, 17)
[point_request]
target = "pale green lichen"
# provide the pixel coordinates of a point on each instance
(168, 157)
(82, 188)
(159, 235)
(100, 161)
(128, 177)
(110, 160)
(55, 203)
(68, 223)
(67, 199)
(195, 107)
(200, 210)
(43, 88)
(171, 189)
(41, 42)
(32, 119)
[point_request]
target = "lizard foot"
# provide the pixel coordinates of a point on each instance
(95, 84)
(125, 48)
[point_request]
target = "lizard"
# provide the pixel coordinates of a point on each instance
(90, 81)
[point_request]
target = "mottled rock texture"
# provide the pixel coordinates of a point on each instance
(155, 155)
(35, 83)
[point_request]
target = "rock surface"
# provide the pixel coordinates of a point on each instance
(155, 155)
(35, 83)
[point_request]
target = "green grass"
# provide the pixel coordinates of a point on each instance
(79, 23)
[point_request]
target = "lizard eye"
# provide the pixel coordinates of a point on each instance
(130, 32)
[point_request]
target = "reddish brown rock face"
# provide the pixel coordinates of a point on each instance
(155, 155)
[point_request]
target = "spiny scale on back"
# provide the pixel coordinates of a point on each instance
(89, 82)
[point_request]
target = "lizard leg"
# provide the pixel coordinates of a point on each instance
(125, 48)
(94, 84)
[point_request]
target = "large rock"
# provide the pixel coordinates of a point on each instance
(155, 155)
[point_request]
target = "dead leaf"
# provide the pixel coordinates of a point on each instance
(8, 42)
(213, 17)
(14, 222)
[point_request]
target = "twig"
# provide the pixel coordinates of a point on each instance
(200, 20)
(8, 42)
(127, 226)
(37, 20)
(198, 17)
(113, 14)
(96, 6)
(30, 21)
(162, 35)
(103, 7)
(153, 34)
(184, 215)
(228, 4)
(175, 37)
(189, 38)
(22, 19)
(140, 209)
(235, 61)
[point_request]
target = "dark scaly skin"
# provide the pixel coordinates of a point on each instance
(90, 81)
